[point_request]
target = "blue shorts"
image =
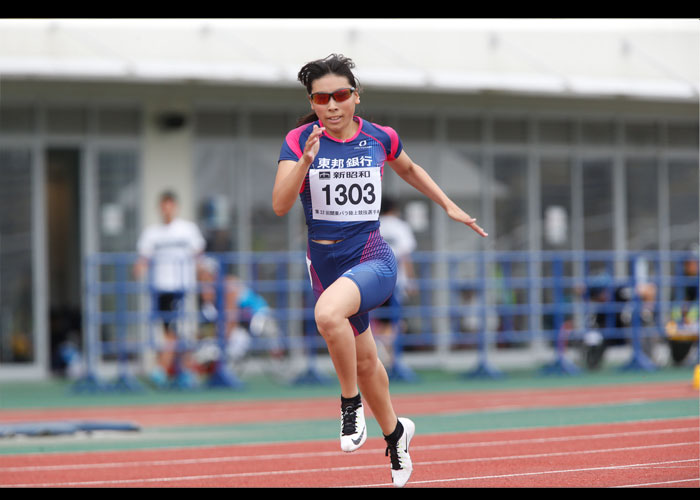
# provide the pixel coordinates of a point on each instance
(168, 307)
(366, 259)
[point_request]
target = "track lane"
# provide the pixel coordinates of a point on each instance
(655, 452)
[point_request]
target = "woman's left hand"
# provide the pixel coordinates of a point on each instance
(460, 215)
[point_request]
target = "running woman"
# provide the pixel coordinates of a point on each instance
(334, 162)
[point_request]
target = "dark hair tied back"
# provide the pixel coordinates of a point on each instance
(335, 64)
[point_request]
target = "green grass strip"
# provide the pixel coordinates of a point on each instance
(314, 430)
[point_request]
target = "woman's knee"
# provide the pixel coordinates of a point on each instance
(326, 319)
(336, 305)
(330, 319)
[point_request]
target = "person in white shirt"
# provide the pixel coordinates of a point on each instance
(399, 235)
(168, 253)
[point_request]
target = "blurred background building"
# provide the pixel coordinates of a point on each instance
(556, 134)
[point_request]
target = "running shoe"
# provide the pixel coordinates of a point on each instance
(401, 465)
(353, 432)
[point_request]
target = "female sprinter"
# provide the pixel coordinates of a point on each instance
(334, 162)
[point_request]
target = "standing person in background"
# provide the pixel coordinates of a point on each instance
(168, 254)
(399, 235)
(334, 162)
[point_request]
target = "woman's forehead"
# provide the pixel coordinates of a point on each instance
(330, 83)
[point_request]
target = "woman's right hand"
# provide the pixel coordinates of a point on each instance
(290, 174)
(313, 143)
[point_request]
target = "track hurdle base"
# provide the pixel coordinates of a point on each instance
(484, 370)
(639, 362)
(89, 383)
(400, 372)
(311, 377)
(561, 366)
(223, 378)
(126, 383)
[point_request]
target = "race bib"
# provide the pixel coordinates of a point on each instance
(347, 194)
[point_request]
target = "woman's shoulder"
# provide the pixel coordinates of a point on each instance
(299, 129)
(370, 126)
(385, 134)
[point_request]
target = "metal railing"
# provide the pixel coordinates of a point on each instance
(478, 301)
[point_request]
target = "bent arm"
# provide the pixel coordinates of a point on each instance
(290, 174)
(417, 177)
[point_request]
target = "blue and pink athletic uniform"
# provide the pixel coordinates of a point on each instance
(341, 197)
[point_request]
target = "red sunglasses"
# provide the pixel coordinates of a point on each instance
(325, 97)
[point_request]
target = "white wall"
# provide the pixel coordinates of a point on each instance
(167, 160)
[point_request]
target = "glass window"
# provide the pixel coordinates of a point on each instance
(118, 229)
(597, 204)
(555, 187)
(683, 201)
(598, 133)
(682, 135)
(464, 183)
(416, 128)
(119, 121)
(215, 124)
(510, 202)
(510, 130)
(555, 131)
(118, 200)
(15, 118)
(269, 230)
(214, 174)
(464, 130)
(67, 120)
(417, 208)
(270, 124)
(511, 233)
(642, 204)
(642, 134)
(16, 291)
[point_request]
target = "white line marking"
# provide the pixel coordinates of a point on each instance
(374, 466)
(657, 483)
(522, 474)
(276, 456)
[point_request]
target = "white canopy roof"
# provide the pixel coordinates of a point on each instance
(638, 58)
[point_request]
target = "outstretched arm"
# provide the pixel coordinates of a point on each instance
(417, 177)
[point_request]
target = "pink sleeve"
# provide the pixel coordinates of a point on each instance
(292, 141)
(395, 148)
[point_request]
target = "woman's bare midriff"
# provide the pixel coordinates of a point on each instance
(326, 242)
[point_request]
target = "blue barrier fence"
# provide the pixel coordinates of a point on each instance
(479, 301)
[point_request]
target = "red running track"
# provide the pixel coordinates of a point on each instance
(633, 454)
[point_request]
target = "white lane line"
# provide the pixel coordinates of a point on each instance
(522, 474)
(297, 455)
(115, 482)
(640, 485)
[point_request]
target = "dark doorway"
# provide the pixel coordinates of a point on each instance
(64, 253)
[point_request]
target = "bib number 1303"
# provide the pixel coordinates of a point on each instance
(346, 194)
(354, 194)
